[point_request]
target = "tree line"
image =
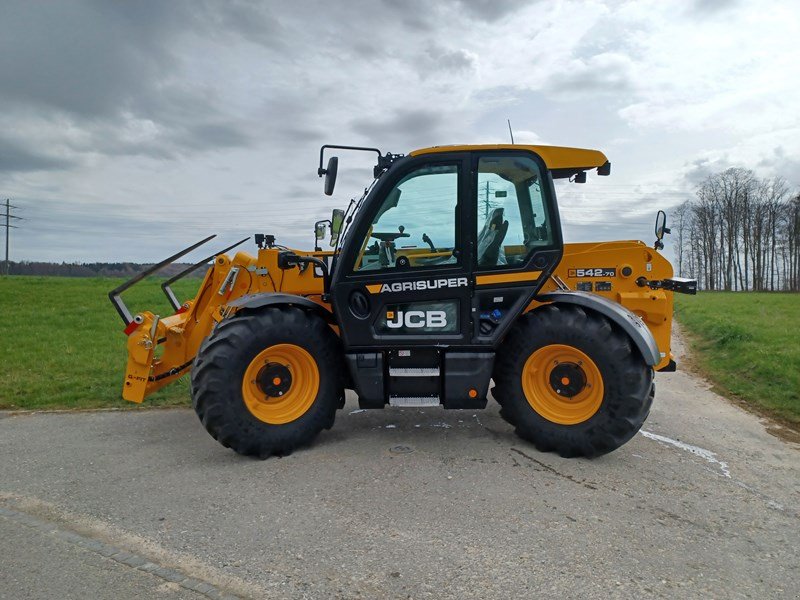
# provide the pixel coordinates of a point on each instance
(740, 233)
(122, 269)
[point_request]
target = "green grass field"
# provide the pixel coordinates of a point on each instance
(62, 346)
(748, 345)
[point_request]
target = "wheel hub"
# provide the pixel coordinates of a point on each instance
(274, 379)
(280, 384)
(567, 379)
(562, 384)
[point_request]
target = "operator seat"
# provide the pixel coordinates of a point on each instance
(490, 239)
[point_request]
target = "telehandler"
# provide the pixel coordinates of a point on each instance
(449, 273)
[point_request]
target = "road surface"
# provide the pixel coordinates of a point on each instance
(400, 504)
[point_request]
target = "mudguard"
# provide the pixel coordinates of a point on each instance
(627, 321)
(276, 298)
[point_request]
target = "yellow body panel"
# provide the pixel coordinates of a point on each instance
(654, 307)
(555, 157)
(495, 278)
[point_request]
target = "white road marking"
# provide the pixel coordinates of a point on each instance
(706, 455)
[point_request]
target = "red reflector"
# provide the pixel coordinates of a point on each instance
(182, 309)
(131, 327)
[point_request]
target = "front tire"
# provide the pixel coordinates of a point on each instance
(571, 383)
(266, 382)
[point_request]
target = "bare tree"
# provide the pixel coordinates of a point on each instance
(740, 233)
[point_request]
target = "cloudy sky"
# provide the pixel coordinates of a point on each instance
(131, 129)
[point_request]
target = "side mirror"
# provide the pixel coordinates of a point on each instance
(319, 229)
(330, 174)
(661, 229)
(337, 219)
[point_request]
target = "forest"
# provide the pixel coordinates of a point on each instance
(97, 269)
(741, 232)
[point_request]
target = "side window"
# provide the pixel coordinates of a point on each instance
(416, 224)
(512, 217)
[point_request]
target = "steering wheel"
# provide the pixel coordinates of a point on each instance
(391, 235)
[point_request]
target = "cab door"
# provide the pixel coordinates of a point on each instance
(403, 276)
(518, 237)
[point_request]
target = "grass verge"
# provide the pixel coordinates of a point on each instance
(62, 346)
(748, 346)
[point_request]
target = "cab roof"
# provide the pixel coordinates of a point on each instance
(561, 160)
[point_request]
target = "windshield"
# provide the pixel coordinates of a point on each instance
(415, 225)
(351, 211)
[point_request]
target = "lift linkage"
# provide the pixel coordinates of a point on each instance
(115, 295)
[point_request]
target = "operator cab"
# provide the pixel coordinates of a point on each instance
(439, 258)
(486, 215)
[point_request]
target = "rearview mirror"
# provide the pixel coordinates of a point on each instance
(661, 229)
(319, 229)
(661, 222)
(330, 174)
(337, 219)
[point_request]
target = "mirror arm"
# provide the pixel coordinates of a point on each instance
(321, 171)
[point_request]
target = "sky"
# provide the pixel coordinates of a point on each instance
(129, 130)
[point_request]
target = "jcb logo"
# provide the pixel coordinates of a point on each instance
(416, 319)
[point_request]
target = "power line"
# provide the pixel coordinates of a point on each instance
(9, 227)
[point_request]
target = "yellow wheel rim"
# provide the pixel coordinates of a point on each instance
(562, 384)
(280, 384)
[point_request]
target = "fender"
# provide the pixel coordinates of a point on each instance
(275, 299)
(627, 321)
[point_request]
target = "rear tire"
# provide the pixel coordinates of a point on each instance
(266, 382)
(611, 385)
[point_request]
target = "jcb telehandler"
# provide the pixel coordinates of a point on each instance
(449, 273)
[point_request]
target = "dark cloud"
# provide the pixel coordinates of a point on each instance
(711, 7)
(602, 73)
(15, 156)
(415, 15)
(698, 170)
(302, 134)
(440, 58)
(85, 59)
(489, 10)
(206, 136)
(782, 164)
(412, 127)
(109, 69)
(251, 21)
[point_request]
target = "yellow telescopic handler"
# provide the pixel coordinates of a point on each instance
(448, 275)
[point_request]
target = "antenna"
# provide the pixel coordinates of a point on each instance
(511, 133)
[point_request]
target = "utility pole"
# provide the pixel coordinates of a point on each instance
(488, 204)
(9, 227)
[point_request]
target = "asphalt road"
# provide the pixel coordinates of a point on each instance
(400, 504)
